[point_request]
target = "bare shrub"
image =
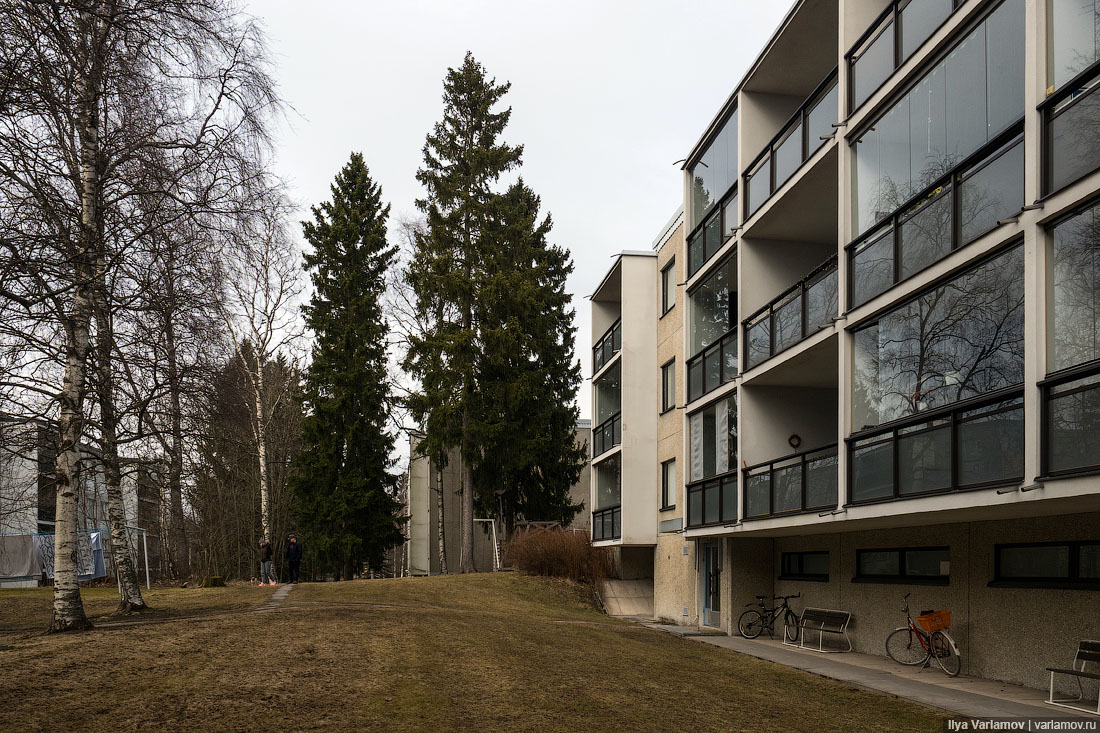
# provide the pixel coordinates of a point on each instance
(559, 554)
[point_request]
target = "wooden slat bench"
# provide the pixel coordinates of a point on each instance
(1088, 652)
(824, 621)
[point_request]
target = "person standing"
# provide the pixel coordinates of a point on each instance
(266, 554)
(293, 558)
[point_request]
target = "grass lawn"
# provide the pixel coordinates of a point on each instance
(488, 652)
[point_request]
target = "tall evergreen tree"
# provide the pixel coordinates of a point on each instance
(462, 161)
(528, 371)
(345, 491)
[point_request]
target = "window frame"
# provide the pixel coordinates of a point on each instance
(720, 343)
(668, 290)
(668, 401)
(902, 578)
(666, 490)
(1070, 374)
(1074, 91)
(1072, 580)
(801, 575)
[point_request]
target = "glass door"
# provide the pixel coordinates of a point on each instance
(712, 582)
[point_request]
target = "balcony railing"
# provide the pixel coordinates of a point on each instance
(795, 314)
(609, 344)
(713, 501)
(800, 482)
(896, 33)
(607, 434)
(713, 367)
(607, 523)
(799, 139)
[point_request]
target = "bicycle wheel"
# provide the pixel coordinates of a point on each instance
(790, 626)
(750, 624)
(944, 651)
(904, 647)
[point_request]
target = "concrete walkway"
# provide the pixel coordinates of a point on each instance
(276, 599)
(967, 696)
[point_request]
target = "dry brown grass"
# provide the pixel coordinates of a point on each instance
(481, 652)
(558, 554)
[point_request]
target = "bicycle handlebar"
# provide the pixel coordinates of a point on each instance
(785, 598)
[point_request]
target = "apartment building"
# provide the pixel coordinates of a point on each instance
(886, 350)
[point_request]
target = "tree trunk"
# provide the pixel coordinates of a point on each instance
(177, 530)
(466, 562)
(120, 547)
(261, 447)
(442, 527)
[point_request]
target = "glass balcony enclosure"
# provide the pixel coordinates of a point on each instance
(608, 345)
(608, 409)
(607, 514)
(800, 482)
(795, 314)
(712, 330)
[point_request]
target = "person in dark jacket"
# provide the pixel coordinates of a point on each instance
(293, 558)
(266, 553)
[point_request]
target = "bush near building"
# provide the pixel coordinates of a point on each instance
(559, 554)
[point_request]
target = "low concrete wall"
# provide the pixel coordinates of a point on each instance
(675, 581)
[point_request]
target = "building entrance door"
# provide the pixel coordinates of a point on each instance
(712, 581)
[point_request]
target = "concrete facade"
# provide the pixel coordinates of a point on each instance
(812, 415)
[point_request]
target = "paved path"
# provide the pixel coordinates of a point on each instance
(967, 696)
(276, 599)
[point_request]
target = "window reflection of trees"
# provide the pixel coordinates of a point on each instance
(1076, 291)
(962, 339)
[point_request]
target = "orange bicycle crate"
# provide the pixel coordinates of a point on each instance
(934, 621)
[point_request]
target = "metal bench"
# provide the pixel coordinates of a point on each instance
(824, 621)
(1087, 651)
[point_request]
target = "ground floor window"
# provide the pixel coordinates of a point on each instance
(1048, 564)
(804, 566)
(913, 565)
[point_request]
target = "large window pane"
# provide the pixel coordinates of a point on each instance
(713, 307)
(924, 461)
(609, 393)
(710, 503)
(821, 302)
(959, 340)
(758, 185)
(821, 482)
(1075, 296)
(873, 268)
(1035, 561)
(788, 322)
(729, 499)
(1075, 140)
(608, 482)
(993, 193)
(788, 489)
(966, 93)
(927, 563)
(919, 18)
(928, 159)
(1073, 424)
(713, 439)
(820, 119)
(759, 341)
(1073, 39)
(991, 445)
(887, 562)
(757, 491)
(788, 156)
(715, 171)
(875, 63)
(926, 235)
(1005, 62)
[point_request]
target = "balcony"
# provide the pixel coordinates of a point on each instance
(796, 483)
(607, 523)
(894, 36)
(792, 316)
(608, 345)
(713, 501)
(713, 367)
(803, 134)
(607, 435)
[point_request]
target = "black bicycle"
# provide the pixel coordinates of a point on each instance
(754, 622)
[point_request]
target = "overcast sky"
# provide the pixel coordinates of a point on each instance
(605, 97)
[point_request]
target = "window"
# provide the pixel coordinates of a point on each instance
(1075, 290)
(912, 565)
(608, 482)
(955, 210)
(793, 315)
(957, 340)
(608, 345)
(715, 171)
(712, 502)
(712, 331)
(712, 440)
(1048, 564)
(974, 93)
(668, 386)
(668, 485)
(804, 566)
(1073, 39)
(608, 431)
(668, 287)
(1071, 427)
(803, 482)
(709, 238)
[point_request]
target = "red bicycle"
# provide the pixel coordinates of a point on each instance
(923, 639)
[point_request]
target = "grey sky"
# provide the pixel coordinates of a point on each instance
(605, 97)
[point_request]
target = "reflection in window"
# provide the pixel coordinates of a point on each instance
(992, 192)
(608, 393)
(1075, 299)
(608, 482)
(959, 340)
(715, 171)
(926, 565)
(1073, 39)
(1073, 425)
(1048, 564)
(713, 307)
(713, 439)
(959, 105)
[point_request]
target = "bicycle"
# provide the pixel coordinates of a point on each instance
(753, 622)
(923, 639)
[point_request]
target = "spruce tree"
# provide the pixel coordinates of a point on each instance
(462, 161)
(528, 370)
(344, 489)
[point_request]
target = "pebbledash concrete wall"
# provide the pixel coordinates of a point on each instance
(1017, 633)
(675, 580)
